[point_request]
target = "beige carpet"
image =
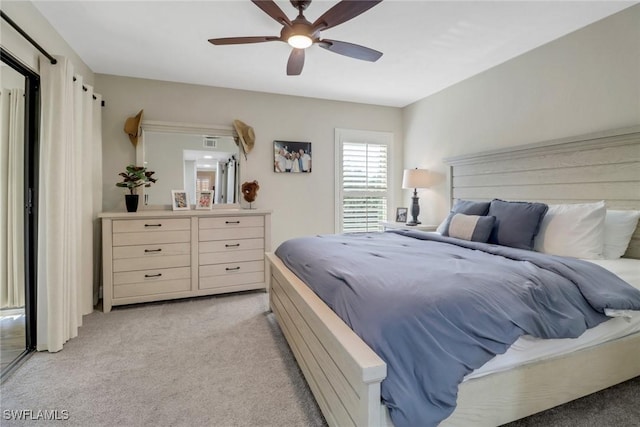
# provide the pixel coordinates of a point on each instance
(216, 361)
(205, 362)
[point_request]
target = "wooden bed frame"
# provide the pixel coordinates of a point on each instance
(344, 374)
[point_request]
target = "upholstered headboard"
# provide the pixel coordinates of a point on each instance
(587, 168)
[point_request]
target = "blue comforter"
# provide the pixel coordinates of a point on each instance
(436, 308)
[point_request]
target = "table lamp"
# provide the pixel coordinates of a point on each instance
(415, 178)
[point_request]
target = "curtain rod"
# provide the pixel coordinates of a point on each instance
(53, 60)
(84, 88)
(26, 36)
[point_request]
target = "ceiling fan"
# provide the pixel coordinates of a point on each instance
(300, 33)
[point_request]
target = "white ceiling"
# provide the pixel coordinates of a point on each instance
(427, 45)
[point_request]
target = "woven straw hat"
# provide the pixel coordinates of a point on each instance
(246, 134)
(132, 127)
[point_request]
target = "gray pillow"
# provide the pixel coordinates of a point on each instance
(466, 207)
(471, 227)
(517, 223)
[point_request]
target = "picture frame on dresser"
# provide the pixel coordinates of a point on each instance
(179, 200)
(204, 200)
(401, 214)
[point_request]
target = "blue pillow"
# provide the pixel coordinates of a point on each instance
(471, 227)
(517, 223)
(466, 207)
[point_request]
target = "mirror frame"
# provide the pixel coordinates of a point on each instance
(187, 128)
(31, 176)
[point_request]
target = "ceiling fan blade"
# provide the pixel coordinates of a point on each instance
(243, 40)
(342, 12)
(296, 62)
(273, 10)
(351, 50)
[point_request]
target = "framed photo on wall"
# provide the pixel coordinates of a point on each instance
(401, 214)
(179, 200)
(204, 199)
(292, 157)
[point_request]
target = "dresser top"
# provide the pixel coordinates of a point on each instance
(187, 213)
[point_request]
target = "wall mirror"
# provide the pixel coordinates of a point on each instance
(189, 157)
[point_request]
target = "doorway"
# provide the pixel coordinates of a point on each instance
(19, 113)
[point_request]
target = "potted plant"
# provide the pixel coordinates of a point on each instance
(134, 177)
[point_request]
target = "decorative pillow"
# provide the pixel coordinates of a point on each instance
(466, 207)
(471, 227)
(575, 230)
(619, 226)
(517, 223)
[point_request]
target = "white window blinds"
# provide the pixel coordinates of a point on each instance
(364, 186)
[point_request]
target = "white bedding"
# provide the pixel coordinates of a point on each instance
(529, 349)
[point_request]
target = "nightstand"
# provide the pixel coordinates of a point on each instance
(385, 225)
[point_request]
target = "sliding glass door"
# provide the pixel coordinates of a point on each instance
(19, 107)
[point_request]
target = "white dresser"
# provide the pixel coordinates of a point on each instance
(160, 255)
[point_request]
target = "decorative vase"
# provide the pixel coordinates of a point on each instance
(131, 201)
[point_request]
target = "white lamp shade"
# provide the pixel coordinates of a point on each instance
(416, 178)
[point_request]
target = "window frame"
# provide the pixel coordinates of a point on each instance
(360, 137)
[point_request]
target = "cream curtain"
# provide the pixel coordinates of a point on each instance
(67, 203)
(12, 189)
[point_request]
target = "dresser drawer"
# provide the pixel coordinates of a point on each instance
(231, 233)
(232, 268)
(151, 275)
(231, 245)
(148, 251)
(231, 222)
(164, 224)
(146, 237)
(151, 288)
(211, 282)
(233, 256)
(135, 264)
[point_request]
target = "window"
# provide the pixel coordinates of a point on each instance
(363, 180)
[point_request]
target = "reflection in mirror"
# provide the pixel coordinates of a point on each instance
(190, 162)
(12, 269)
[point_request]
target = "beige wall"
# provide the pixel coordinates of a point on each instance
(584, 82)
(26, 15)
(302, 204)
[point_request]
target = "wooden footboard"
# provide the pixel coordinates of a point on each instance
(343, 373)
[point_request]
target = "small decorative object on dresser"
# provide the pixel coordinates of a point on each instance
(179, 200)
(250, 191)
(292, 156)
(204, 199)
(134, 177)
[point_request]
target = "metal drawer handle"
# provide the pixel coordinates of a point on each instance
(232, 246)
(153, 225)
(152, 275)
(232, 222)
(232, 268)
(153, 250)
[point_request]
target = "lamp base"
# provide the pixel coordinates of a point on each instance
(415, 209)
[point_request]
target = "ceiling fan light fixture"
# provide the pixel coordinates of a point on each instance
(300, 41)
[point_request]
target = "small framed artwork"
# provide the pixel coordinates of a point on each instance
(204, 199)
(401, 214)
(291, 157)
(179, 200)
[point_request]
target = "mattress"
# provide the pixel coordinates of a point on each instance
(528, 349)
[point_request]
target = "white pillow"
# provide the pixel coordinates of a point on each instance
(575, 230)
(619, 226)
